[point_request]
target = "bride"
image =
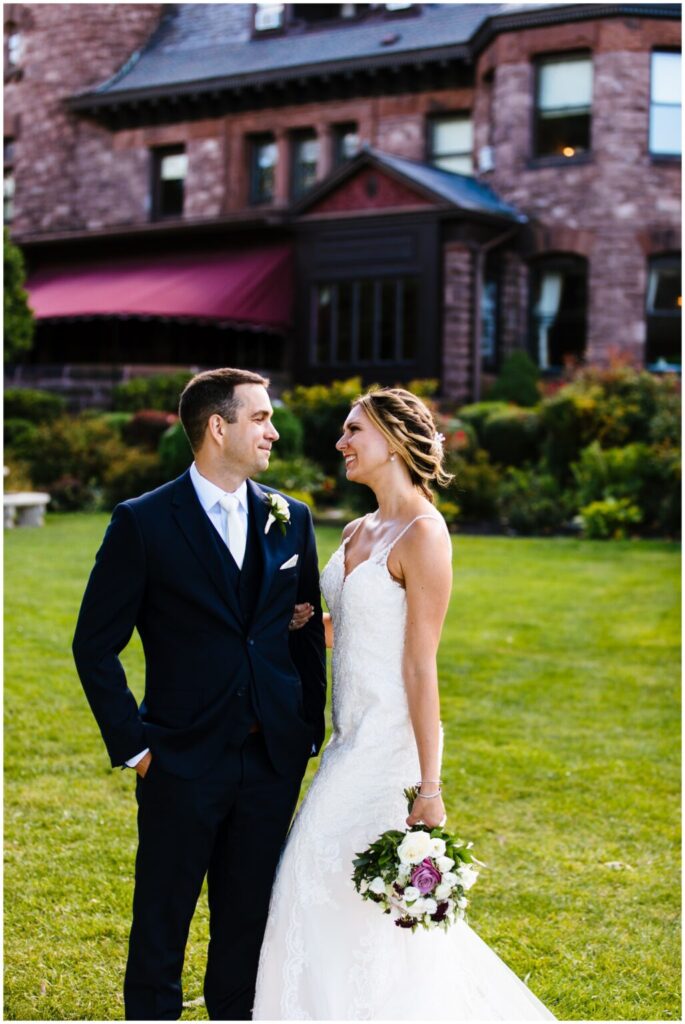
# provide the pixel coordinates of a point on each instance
(327, 954)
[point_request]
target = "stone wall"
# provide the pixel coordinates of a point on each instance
(457, 321)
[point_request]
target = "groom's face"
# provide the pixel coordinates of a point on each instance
(247, 442)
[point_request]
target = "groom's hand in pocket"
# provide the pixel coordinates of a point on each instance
(144, 764)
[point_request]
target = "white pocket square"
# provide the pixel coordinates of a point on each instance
(291, 563)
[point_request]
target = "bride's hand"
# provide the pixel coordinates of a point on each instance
(302, 613)
(430, 812)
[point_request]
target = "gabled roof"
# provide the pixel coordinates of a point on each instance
(444, 188)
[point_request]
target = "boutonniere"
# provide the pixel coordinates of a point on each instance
(279, 512)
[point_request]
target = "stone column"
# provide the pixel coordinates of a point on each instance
(457, 322)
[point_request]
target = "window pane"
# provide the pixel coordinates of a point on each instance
(664, 290)
(171, 197)
(664, 130)
(455, 164)
(666, 86)
(388, 325)
(305, 160)
(366, 320)
(488, 337)
(564, 85)
(345, 308)
(263, 171)
(173, 166)
(8, 196)
(565, 135)
(8, 149)
(323, 324)
(559, 313)
(452, 136)
(410, 305)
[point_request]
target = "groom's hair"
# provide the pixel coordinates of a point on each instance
(209, 393)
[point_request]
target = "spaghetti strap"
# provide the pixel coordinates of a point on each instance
(402, 532)
(346, 539)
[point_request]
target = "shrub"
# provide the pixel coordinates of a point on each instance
(665, 425)
(18, 477)
(82, 447)
(512, 436)
(477, 414)
(290, 443)
(517, 381)
(568, 421)
(161, 392)
(36, 406)
(448, 509)
(322, 410)
(460, 436)
(20, 436)
(601, 520)
(294, 476)
(423, 387)
(175, 453)
(145, 428)
(648, 476)
(116, 421)
(474, 487)
(133, 473)
(68, 494)
(532, 502)
(18, 321)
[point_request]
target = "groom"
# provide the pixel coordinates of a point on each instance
(208, 569)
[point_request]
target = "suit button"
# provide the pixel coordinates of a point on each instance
(240, 693)
(251, 642)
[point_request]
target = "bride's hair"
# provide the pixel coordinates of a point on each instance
(408, 427)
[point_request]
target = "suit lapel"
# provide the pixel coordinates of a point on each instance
(269, 542)
(195, 526)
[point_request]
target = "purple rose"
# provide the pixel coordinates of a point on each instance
(425, 876)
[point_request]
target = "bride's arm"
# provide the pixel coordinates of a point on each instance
(425, 558)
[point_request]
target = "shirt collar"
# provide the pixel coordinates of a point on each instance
(209, 494)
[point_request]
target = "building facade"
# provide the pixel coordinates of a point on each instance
(395, 190)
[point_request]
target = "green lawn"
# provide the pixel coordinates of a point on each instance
(560, 682)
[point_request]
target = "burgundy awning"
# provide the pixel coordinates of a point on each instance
(252, 287)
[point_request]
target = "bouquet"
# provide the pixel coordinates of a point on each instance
(419, 876)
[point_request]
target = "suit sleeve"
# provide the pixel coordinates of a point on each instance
(105, 625)
(307, 645)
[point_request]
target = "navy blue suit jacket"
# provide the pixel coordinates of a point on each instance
(158, 570)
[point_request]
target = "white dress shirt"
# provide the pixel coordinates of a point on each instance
(208, 495)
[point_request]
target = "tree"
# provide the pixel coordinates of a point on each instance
(19, 322)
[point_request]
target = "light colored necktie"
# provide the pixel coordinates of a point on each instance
(235, 531)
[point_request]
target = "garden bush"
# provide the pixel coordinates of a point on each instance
(116, 421)
(646, 475)
(296, 477)
(32, 405)
(175, 453)
(512, 437)
(477, 414)
(608, 519)
(146, 427)
(474, 487)
(160, 392)
(460, 436)
(68, 494)
(517, 381)
(81, 447)
(530, 501)
(132, 473)
(19, 436)
(290, 442)
(568, 421)
(322, 410)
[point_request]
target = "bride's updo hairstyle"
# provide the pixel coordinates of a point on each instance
(408, 427)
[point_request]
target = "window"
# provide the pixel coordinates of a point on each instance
(14, 47)
(345, 142)
(8, 179)
(372, 322)
(170, 166)
(268, 17)
(559, 311)
(451, 143)
(664, 111)
(263, 157)
(489, 315)
(664, 307)
(315, 14)
(563, 107)
(305, 158)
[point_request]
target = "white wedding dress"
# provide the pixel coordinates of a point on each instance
(328, 954)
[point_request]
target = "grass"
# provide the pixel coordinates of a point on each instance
(560, 687)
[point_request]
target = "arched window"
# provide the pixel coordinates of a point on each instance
(664, 305)
(558, 310)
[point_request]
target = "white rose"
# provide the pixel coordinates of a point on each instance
(417, 909)
(414, 847)
(411, 893)
(404, 873)
(437, 848)
(462, 903)
(449, 878)
(429, 906)
(281, 504)
(442, 891)
(377, 885)
(444, 864)
(467, 876)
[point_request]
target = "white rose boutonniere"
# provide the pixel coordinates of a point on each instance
(279, 512)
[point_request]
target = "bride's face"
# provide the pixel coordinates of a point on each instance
(362, 446)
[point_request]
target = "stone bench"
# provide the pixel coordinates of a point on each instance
(25, 508)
